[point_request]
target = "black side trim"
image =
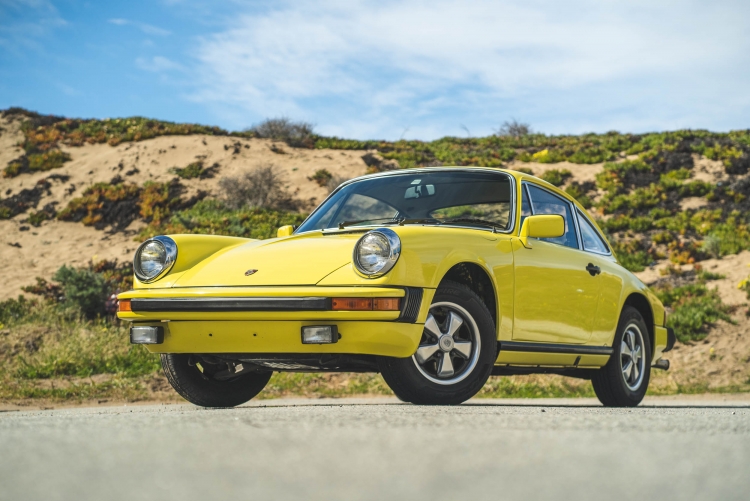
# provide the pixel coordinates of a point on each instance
(671, 339)
(554, 348)
(411, 305)
(504, 370)
(224, 304)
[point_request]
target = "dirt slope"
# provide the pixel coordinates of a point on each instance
(723, 358)
(27, 251)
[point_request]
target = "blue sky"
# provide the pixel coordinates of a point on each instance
(385, 69)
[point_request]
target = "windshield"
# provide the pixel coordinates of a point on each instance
(465, 197)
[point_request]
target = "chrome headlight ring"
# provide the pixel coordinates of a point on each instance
(160, 243)
(381, 263)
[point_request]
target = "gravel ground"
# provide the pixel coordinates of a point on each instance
(380, 449)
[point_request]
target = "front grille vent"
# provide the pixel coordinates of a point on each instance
(412, 304)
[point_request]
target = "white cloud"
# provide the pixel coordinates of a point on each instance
(373, 68)
(148, 29)
(158, 64)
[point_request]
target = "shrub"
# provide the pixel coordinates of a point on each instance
(633, 255)
(102, 204)
(117, 205)
(695, 308)
(195, 170)
(556, 177)
(83, 289)
(262, 187)
(733, 237)
(514, 128)
(580, 191)
(36, 162)
(321, 177)
(25, 199)
(14, 309)
(711, 245)
(295, 134)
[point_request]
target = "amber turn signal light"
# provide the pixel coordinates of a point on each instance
(123, 305)
(352, 303)
(386, 303)
(366, 304)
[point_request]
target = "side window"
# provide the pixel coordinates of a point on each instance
(525, 206)
(544, 202)
(591, 239)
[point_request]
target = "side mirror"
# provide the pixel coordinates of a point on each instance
(285, 231)
(541, 226)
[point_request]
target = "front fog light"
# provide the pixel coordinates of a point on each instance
(320, 334)
(147, 334)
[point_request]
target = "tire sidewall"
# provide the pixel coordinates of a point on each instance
(622, 392)
(411, 385)
(188, 381)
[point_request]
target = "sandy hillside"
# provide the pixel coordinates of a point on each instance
(723, 358)
(27, 251)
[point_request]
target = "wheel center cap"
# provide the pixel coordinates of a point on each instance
(446, 343)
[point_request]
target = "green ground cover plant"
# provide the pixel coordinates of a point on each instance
(321, 177)
(695, 307)
(195, 170)
(556, 177)
(117, 205)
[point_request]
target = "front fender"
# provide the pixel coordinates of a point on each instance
(191, 250)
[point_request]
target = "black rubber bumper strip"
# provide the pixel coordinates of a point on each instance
(671, 339)
(227, 304)
(567, 349)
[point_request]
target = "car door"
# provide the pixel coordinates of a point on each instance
(556, 294)
(610, 278)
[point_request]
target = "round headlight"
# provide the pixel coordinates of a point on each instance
(377, 252)
(154, 258)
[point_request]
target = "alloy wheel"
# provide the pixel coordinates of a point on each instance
(632, 360)
(450, 344)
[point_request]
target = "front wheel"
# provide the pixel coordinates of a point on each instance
(624, 380)
(194, 380)
(455, 355)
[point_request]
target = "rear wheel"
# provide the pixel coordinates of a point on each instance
(455, 355)
(624, 380)
(197, 382)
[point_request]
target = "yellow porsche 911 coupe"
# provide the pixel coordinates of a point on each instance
(437, 278)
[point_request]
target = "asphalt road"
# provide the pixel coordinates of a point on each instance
(380, 449)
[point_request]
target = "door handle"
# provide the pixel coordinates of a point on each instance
(593, 270)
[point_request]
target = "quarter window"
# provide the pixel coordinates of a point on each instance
(544, 202)
(591, 239)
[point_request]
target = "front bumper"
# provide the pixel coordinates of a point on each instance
(270, 319)
(664, 341)
(391, 339)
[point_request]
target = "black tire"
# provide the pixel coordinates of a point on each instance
(410, 379)
(200, 389)
(611, 384)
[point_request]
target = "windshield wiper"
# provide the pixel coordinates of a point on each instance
(350, 223)
(483, 222)
(401, 221)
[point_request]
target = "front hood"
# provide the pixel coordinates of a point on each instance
(295, 260)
